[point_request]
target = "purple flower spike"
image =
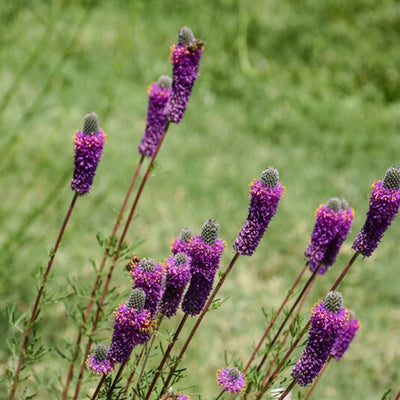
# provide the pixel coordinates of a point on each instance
(89, 145)
(231, 380)
(99, 362)
(205, 252)
(346, 335)
(178, 275)
(327, 320)
(185, 59)
(148, 276)
(131, 328)
(332, 225)
(159, 93)
(384, 205)
(265, 194)
(170, 395)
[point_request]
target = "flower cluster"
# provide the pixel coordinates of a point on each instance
(327, 320)
(384, 205)
(345, 336)
(100, 362)
(159, 93)
(148, 275)
(89, 145)
(205, 251)
(180, 244)
(332, 225)
(185, 59)
(265, 194)
(231, 380)
(177, 277)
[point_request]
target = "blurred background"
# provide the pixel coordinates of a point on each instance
(309, 87)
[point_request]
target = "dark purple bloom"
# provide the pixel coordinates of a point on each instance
(159, 93)
(177, 277)
(326, 323)
(331, 228)
(384, 205)
(231, 380)
(131, 328)
(88, 151)
(264, 199)
(148, 276)
(185, 59)
(205, 259)
(346, 335)
(99, 362)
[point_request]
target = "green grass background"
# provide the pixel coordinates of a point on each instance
(310, 87)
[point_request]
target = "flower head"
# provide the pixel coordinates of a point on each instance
(185, 59)
(132, 326)
(332, 225)
(384, 205)
(99, 362)
(170, 395)
(231, 380)
(177, 277)
(205, 258)
(327, 320)
(159, 93)
(89, 145)
(343, 340)
(148, 275)
(180, 244)
(265, 194)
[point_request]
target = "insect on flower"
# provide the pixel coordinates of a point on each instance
(135, 260)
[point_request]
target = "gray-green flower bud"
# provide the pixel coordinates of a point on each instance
(185, 36)
(101, 352)
(91, 123)
(392, 178)
(164, 81)
(333, 301)
(234, 373)
(147, 264)
(334, 204)
(137, 299)
(180, 258)
(270, 177)
(186, 234)
(210, 231)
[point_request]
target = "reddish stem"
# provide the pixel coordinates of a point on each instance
(317, 379)
(166, 354)
(288, 389)
(199, 319)
(39, 298)
(289, 293)
(100, 384)
(98, 280)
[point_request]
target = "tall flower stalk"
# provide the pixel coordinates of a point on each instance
(89, 145)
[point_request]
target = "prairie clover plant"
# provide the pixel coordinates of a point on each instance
(185, 284)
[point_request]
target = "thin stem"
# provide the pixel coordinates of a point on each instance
(115, 258)
(166, 354)
(289, 293)
(199, 319)
(132, 374)
(265, 384)
(283, 341)
(220, 395)
(398, 396)
(115, 381)
(100, 384)
(98, 280)
(288, 389)
(147, 353)
(39, 297)
(299, 297)
(316, 380)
